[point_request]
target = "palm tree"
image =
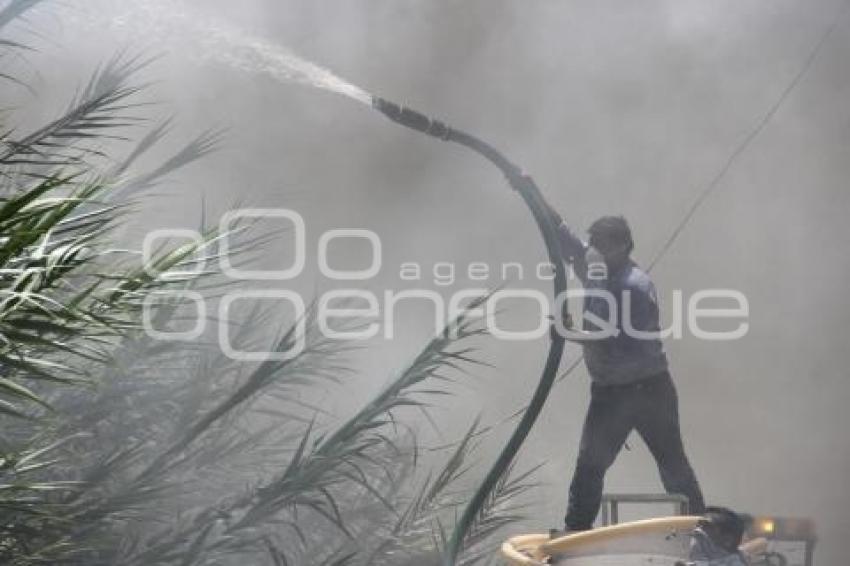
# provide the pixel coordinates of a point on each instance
(118, 448)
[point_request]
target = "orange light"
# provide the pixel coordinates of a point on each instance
(767, 526)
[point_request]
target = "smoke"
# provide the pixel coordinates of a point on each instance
(614, 107)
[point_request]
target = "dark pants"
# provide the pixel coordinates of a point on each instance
(649, 406)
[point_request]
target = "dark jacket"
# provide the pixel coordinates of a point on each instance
(629, 356)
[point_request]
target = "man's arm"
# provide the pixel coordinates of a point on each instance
(572, 248)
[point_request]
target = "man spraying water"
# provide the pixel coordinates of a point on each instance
(631, 387)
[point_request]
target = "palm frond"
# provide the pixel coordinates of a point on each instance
(101, 107)
(317, 470)
(15, 10)
(199, 147)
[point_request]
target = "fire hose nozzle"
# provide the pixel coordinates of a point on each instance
(411, 118)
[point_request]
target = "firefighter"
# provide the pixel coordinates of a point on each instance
(631, 387)
(717, 538)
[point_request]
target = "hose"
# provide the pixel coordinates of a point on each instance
(533, 199)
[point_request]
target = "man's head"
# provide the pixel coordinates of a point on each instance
(724, 526)
(612, 237)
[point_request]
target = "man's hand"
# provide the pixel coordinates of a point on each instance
(519, 180)
(566, 320)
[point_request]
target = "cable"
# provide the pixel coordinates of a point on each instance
(747, 141)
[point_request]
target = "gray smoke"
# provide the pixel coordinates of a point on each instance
(614, 107)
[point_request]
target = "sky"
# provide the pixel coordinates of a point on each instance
(614, 107)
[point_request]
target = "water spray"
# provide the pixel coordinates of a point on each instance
(530, 193)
